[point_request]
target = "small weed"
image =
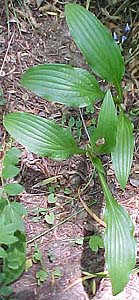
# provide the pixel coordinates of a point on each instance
(41, 276)
(57, 273)
(96, 242)
(52, 198)
(51, 256)
(50, 218)
(37, 255)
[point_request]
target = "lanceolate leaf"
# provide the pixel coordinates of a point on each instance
(103, 138)
(120, 245)
(123, 153)
(96, 43)
(63, 84)
(41, 136)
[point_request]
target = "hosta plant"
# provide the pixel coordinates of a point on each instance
(113, 134)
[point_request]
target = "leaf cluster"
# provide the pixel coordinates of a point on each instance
(12, 233)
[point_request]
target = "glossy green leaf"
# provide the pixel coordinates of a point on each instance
(123, 153)
(119, 241)
(63, 84)
(103, 139)
(41, 136)
(96, 43)
(13, 189)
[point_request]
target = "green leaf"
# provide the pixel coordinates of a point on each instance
(9, 171)
(119, 241)
(96, 43)
(57, 272)
(41, 275)
(37, 255)
(103, 138)
(13, 189)
(7, 239)
(19, 208)
(1, 193)
(79, 240)
(29, 264)
(122, 155)
(96, 242)
(12, 217)
(50, 218)
(52, 198)
(12, 156)
(63, 84)
(5, 291)
(2, 253)
(14, 264)
(41, 136)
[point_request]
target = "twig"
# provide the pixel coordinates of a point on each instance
(55, 226)
(84, 125)
(5, 57)
(91, 213)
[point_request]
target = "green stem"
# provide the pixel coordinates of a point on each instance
(106, 190)
(120, 93)
(99, 167)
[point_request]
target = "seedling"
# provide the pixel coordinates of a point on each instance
(50, 218)
(96, 242)
(41, 276)
(37, 255)
(52, 198)
(57, 273)
(76, 87)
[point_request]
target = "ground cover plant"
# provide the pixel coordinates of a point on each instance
(114, 132)
(12, 234)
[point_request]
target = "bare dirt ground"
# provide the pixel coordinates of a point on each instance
(30, 35)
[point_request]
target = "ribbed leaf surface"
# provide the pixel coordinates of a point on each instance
(123, 153)
(41, 136)
(96, 43)
(120, 245)
(63, 84)
(103, 138)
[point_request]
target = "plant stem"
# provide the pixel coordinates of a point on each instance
(120, 93)
(106, 190)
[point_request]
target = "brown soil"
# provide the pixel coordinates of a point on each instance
(36, 36)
